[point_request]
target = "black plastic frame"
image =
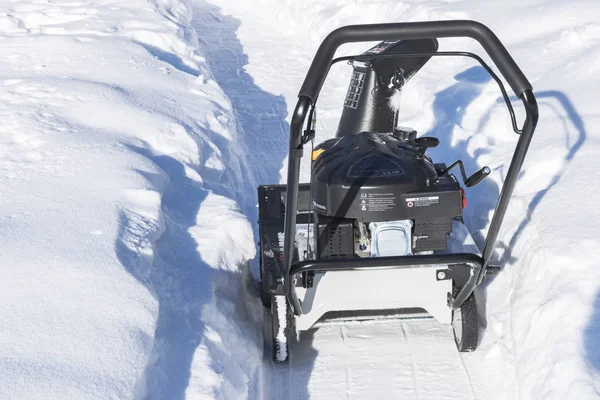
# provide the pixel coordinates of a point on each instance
(308, 95)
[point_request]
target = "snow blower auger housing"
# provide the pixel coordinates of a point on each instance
(378, 232)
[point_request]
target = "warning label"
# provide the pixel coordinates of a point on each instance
(422, 201)
(377, 202)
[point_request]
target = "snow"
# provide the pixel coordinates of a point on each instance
(281, 309)
(117, 211)
(133, 137)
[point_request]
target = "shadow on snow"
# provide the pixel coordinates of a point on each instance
(177, 278)
(261, 118)
(449, 108)
(181, 281)
(549, 99)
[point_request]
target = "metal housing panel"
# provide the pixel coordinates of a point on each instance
(412, 287)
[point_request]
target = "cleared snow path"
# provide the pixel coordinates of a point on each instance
(372, 360)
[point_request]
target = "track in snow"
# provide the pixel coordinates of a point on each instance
(400, 360)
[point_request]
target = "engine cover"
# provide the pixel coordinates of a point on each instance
(379, 177)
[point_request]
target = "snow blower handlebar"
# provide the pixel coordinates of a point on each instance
(307, 97)
(413, 30)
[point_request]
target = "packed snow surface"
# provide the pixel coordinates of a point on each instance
(133, 137)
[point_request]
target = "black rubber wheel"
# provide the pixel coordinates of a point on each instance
(465, 324)
(276, 346)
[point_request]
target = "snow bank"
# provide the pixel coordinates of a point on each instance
(123, 207)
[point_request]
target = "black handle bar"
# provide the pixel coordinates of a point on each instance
(413, 30)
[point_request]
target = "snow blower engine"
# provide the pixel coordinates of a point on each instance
(378, 230)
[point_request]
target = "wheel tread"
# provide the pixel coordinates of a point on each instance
(470, 326)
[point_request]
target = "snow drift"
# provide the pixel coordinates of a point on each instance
(125, 195)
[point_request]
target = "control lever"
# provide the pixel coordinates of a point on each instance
(472, 180)
(423, 143)
(478, 176)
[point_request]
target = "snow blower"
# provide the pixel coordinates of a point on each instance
(378, 230)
